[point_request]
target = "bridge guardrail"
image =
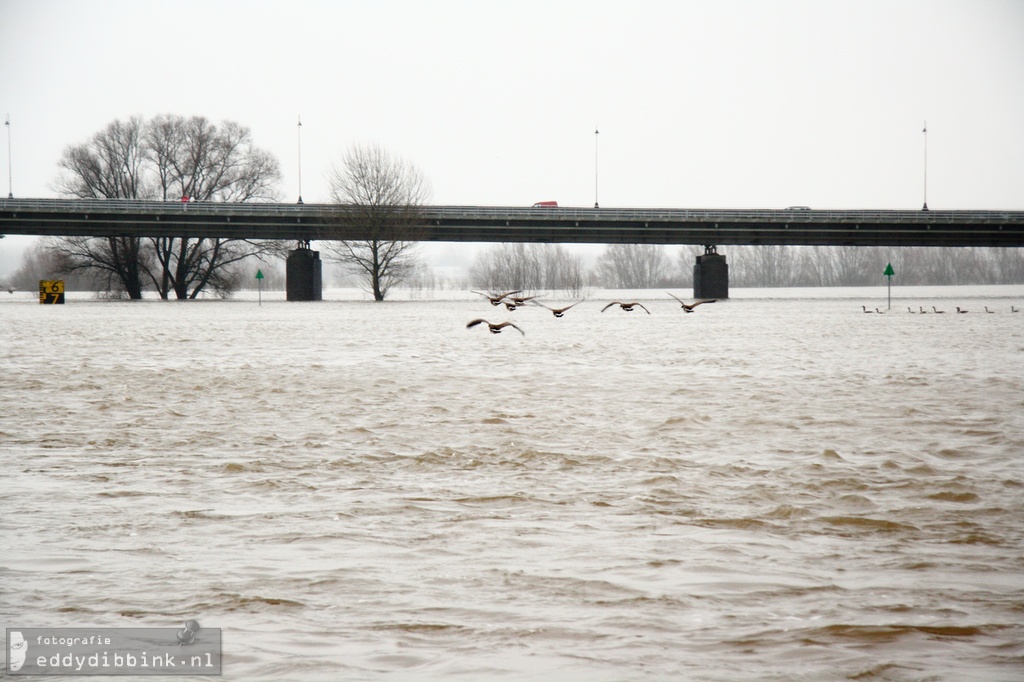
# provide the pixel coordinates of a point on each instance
(110, 206)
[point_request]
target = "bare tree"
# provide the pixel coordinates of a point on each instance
(762, 266)
(529, 267)
(633, 266)
(379, 195)
(508, 267)
(564, 270)
(197, 160)
(110, 166)
(168, 158)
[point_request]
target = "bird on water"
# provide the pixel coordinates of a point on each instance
(495, 328)
(959, 310)
(626, 306)
(688, 307)
(557, 312)
(496, 299)
(937, 311)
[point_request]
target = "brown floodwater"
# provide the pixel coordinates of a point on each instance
(775, 487)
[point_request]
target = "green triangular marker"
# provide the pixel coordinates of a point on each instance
(889, 272)
(259, 273)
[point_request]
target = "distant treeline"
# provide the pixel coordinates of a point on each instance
(630, 266)
(556, 267)
(830, 266)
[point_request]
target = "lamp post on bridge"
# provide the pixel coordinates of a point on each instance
(10, 187)
(299, 139)
(925, 131)
(595, 168)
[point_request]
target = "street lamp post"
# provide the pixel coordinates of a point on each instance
(299, 136)
(10, 186)
(925, 131)
(595, 168)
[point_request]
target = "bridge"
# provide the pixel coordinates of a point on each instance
(707, 227)
(303, 222)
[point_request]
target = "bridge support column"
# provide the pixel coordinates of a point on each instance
(304, 274)
(711, 275)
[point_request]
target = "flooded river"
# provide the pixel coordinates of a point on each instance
(775, 487)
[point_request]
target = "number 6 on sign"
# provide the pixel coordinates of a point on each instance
(51, 291)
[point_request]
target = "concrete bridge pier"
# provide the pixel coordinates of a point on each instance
(304, 274)
(711, 275)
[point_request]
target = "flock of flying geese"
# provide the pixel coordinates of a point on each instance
(936, 311)
(511, 301)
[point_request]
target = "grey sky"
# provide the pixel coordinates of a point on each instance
(699, 104)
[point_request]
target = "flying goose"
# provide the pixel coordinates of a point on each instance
(625, 306)
(557, 312)
(513, 302)
(495, 328)
(688, 307)
(496, 299)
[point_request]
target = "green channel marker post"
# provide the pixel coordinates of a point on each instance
(889, 272)
(259, 284)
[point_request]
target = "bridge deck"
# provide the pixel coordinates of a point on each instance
(522, 224)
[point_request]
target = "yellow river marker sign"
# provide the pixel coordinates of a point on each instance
(51, 291)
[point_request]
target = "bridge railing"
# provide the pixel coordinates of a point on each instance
(726, 215)
(520, 213)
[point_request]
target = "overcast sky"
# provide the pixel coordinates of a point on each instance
(715, 104)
